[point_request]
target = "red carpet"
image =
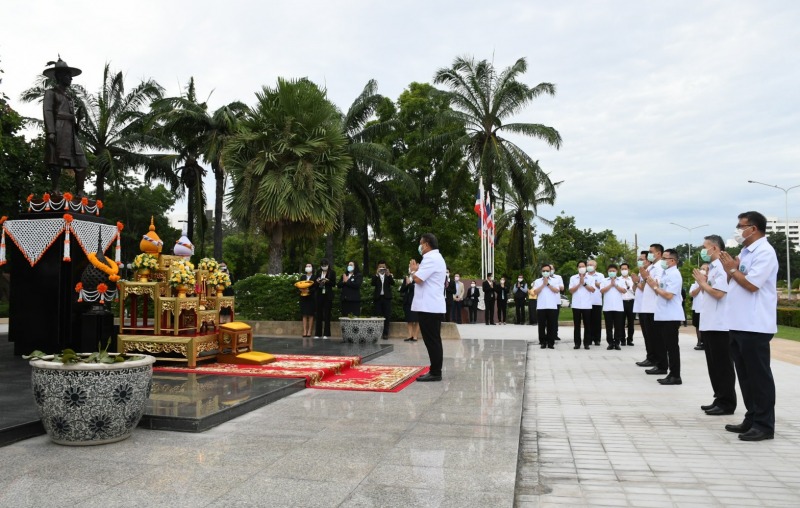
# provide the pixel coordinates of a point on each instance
(325, 372)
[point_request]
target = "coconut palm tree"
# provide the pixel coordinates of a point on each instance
(113, 127)
(288, 163)
(371, 167)
(483, 101)
(197, 133)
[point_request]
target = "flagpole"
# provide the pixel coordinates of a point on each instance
(483, 232)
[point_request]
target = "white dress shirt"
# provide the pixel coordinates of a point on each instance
(697, 301)
(670, 309)
(755, 311)
(597, 296)
(612, 299)
(628, 295)
(649, 296)
(547, 298)
(429, 294)
(581, 298)
(713, 310)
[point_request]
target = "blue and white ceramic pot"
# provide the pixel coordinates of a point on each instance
(361, 330)
(91, 403)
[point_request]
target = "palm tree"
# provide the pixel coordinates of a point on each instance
(371, 166)
(288, 163)
(483, 100)
(199, 133)
(113, 128)
(518, 219)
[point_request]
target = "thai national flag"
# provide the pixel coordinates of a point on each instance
(480, 211)
(489, 219)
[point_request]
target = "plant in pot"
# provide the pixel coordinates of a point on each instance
(182, 276)
(143, 263)
(219, 279)
(90, 398)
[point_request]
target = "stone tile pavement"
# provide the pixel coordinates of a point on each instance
(596, 431)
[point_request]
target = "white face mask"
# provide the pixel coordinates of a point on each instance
(703, 272)
(590, 269)
(519, 279)
(350, 268)
(545, 273)
(582, 270)
(738, 235)
(308, 269)
(324, 267)
(624, 273)
(612, 275)
(473, 284)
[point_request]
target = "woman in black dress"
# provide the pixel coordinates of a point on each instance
(350, 284)
(407, 288)
(307, 295)
(473, 294)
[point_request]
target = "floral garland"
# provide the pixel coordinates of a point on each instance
(209, 264)
(219, 278)
(145, 261)
(66, 203)
(181, 273)
(108, 267)
(102, 293)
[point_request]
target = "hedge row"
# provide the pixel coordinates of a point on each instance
(274, 298)
(789, 316)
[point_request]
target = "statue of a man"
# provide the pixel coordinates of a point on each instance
(62, 149)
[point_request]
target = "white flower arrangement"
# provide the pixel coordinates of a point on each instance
(209, 264)
(145, 261)
(219, 278)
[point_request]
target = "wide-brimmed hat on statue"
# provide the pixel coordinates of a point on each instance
(60, 65)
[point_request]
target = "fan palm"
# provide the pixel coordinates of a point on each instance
(288, 163)
(199, 133)
(483, 100)
(113, 128)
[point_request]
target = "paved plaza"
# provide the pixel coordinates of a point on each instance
(595, 431)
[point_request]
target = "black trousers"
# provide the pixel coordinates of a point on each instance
(488, 314)
(627, 306)
(548, 326)
(751, 356)
(322, 317)
(646, 322)
(383, 307)
(456, 311)
(502, 310)
(533, 318)
(667, 346)
(581, 316)
(720, 368)
(519, 310)
(430, 325)
(473, 312)
(596, 323)
(349, 308)
(615, 326)
(448, 306)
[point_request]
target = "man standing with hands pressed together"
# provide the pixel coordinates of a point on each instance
(752, 319)
(668, 316)
(547, 307)
(429, 302)
(383, 282)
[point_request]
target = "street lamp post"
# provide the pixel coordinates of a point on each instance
(690, 232)
(788, 264)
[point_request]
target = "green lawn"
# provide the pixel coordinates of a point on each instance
(788, 332)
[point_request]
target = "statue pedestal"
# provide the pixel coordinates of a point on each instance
(97, 326)
(44, 313)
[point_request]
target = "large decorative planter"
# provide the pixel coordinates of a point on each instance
(91, 403)
(361, 330)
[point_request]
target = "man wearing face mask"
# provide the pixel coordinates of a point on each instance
(668, 315)
(714, 329)
(458, 292)
(501, 290)
(520, 292)
(489, 289)
(627, 301)
(651, 270)
(326, 281)
(596, 320)
(612, 290)
(383, 282)
(697, 294)
(549, 292)
(752, 319)
(473, 295)
(429, 303)
(581, 285)
(350, 284)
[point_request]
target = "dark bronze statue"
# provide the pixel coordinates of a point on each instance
(62, 149)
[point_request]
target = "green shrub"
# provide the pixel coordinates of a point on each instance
(789, 316)
(264, 297)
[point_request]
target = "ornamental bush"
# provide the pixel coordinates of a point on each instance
(789, 316)
(263, 297)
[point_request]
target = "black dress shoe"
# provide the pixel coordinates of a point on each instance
(706, 408)
(597, 343)
(609, 348)
(718, 411)
(429, 377)
(550, 346)
(586, 347)
(645, 363)
(630, 342)
(739, 429)
(576, 347)
(655, 371)
(671, 380)
(756, 435)
(543, 346)
(616, 346)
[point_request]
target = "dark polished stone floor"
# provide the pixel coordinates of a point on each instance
(180, 402)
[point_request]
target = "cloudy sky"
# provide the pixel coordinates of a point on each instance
(666, 109)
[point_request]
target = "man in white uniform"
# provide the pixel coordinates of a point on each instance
(429, 302)
(581, 285)
(656, 353)
(627, 300)
(596, 320)
(752, 319)
(669, 314)
(549, 292)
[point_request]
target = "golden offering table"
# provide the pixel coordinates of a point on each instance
(177, 315)
(178, 348)
(131, 294)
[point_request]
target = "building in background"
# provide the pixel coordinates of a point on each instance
(776, 225)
